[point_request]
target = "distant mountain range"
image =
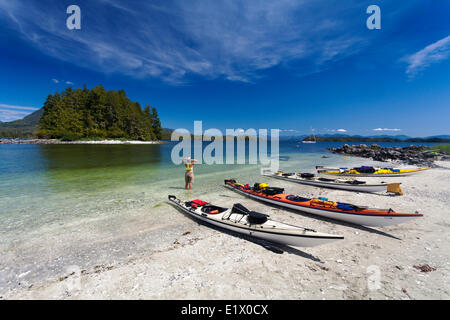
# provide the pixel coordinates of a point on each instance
(374, 138)
(22, 128)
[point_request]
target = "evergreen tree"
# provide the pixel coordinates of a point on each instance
(156, 124)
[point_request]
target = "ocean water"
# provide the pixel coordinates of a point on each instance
(47, 183)
(89, 204)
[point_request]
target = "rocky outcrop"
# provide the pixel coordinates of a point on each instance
(413, 155)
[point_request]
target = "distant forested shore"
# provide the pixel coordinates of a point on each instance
(374, 139)
(88, 114)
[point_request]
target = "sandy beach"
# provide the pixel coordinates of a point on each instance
(109, 108)
(193, 261)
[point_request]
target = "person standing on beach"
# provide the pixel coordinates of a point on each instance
(189, 175)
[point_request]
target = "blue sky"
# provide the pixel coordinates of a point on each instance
(291, 65)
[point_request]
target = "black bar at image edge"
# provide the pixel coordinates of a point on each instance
(207, 309)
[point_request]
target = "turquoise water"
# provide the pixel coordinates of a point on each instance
(41, 183)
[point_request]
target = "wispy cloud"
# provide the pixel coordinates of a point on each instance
(55, 80)
(69, 82)
(386, 129)
(178, 40)
(433, 53)
(341, 130)
(7, 106)
(11, 113)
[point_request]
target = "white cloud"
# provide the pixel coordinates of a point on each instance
(175, 40)
(55, 80)
(341, 130)
(433, 53)
(386, 129)
(69, 82)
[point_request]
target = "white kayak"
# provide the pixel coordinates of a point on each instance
(342, 184)
(368, 171)
(241, 220)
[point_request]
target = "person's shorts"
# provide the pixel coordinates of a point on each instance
(189, 177)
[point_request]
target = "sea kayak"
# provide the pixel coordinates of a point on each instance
(321, 206)
(366, 171)
(244, 221)
(342, 184)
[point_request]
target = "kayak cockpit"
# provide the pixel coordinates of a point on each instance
(292, 197)
(211, 209)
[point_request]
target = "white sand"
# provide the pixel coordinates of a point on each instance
(209, 264)
(55, 141)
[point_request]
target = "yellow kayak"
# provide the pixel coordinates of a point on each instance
(367, 171)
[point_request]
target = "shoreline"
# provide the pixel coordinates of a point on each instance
(179, 260)
(56, 141)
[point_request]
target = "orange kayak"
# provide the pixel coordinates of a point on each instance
(330, 209)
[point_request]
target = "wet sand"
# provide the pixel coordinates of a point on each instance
(177, 258)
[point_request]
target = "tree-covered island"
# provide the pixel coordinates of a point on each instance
(97, 114)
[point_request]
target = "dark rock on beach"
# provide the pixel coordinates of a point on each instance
(412, 155)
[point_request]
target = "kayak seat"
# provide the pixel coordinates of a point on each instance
(210, 209)
(256, 217)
